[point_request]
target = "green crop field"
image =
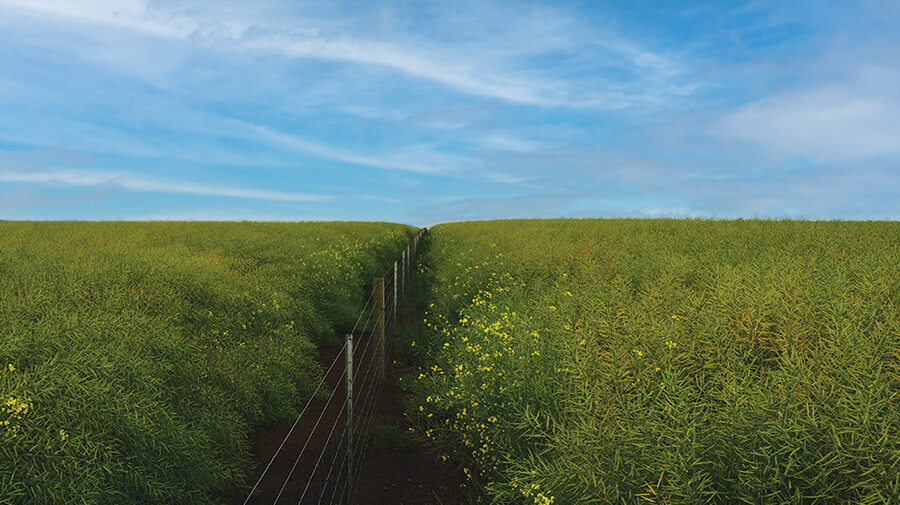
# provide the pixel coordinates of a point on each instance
(560, 361)
(662, 361)
(135, 358)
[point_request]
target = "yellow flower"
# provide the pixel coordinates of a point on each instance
(542, 499)
(11, 367)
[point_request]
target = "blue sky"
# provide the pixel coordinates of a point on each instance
(426, 112)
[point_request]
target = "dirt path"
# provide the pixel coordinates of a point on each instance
(409, 474)
(391, 474)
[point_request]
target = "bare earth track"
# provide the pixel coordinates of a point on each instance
(405, 475)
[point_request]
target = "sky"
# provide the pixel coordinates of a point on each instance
(428, 112)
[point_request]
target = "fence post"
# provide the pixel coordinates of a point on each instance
(406, 254)
(395, 294)
(349, 456)
(403, 272)
(378, 316)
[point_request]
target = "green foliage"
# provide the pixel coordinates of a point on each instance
(137, 357)
(663, 361)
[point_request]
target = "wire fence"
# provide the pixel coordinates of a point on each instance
(327, 468)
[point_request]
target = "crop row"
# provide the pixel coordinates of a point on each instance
(135, 358)
(666, 361)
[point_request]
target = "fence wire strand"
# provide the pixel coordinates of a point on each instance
(366, 392)
(305, 407)
(321, 454)
(306, 444)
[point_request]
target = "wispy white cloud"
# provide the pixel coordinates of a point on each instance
(661, 64)
(501, 178)
(297, 43)
(139, 183)
(456, 74)
(824, 122)
(25, 197)
(510, 143)
(496, 67)
(127, 14)
(413, 159)
(227, 215)
(375, 198)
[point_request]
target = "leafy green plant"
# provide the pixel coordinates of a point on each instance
(666, 361)
(135, 358)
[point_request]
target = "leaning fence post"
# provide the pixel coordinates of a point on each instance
(378, 316)
(349, 455)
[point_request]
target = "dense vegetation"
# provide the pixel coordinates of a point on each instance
(136, 357)
(663, 361)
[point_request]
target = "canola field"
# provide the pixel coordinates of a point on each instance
(135, 358)
(661, 361)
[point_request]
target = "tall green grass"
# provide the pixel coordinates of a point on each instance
(135, 358)
(663, 361)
